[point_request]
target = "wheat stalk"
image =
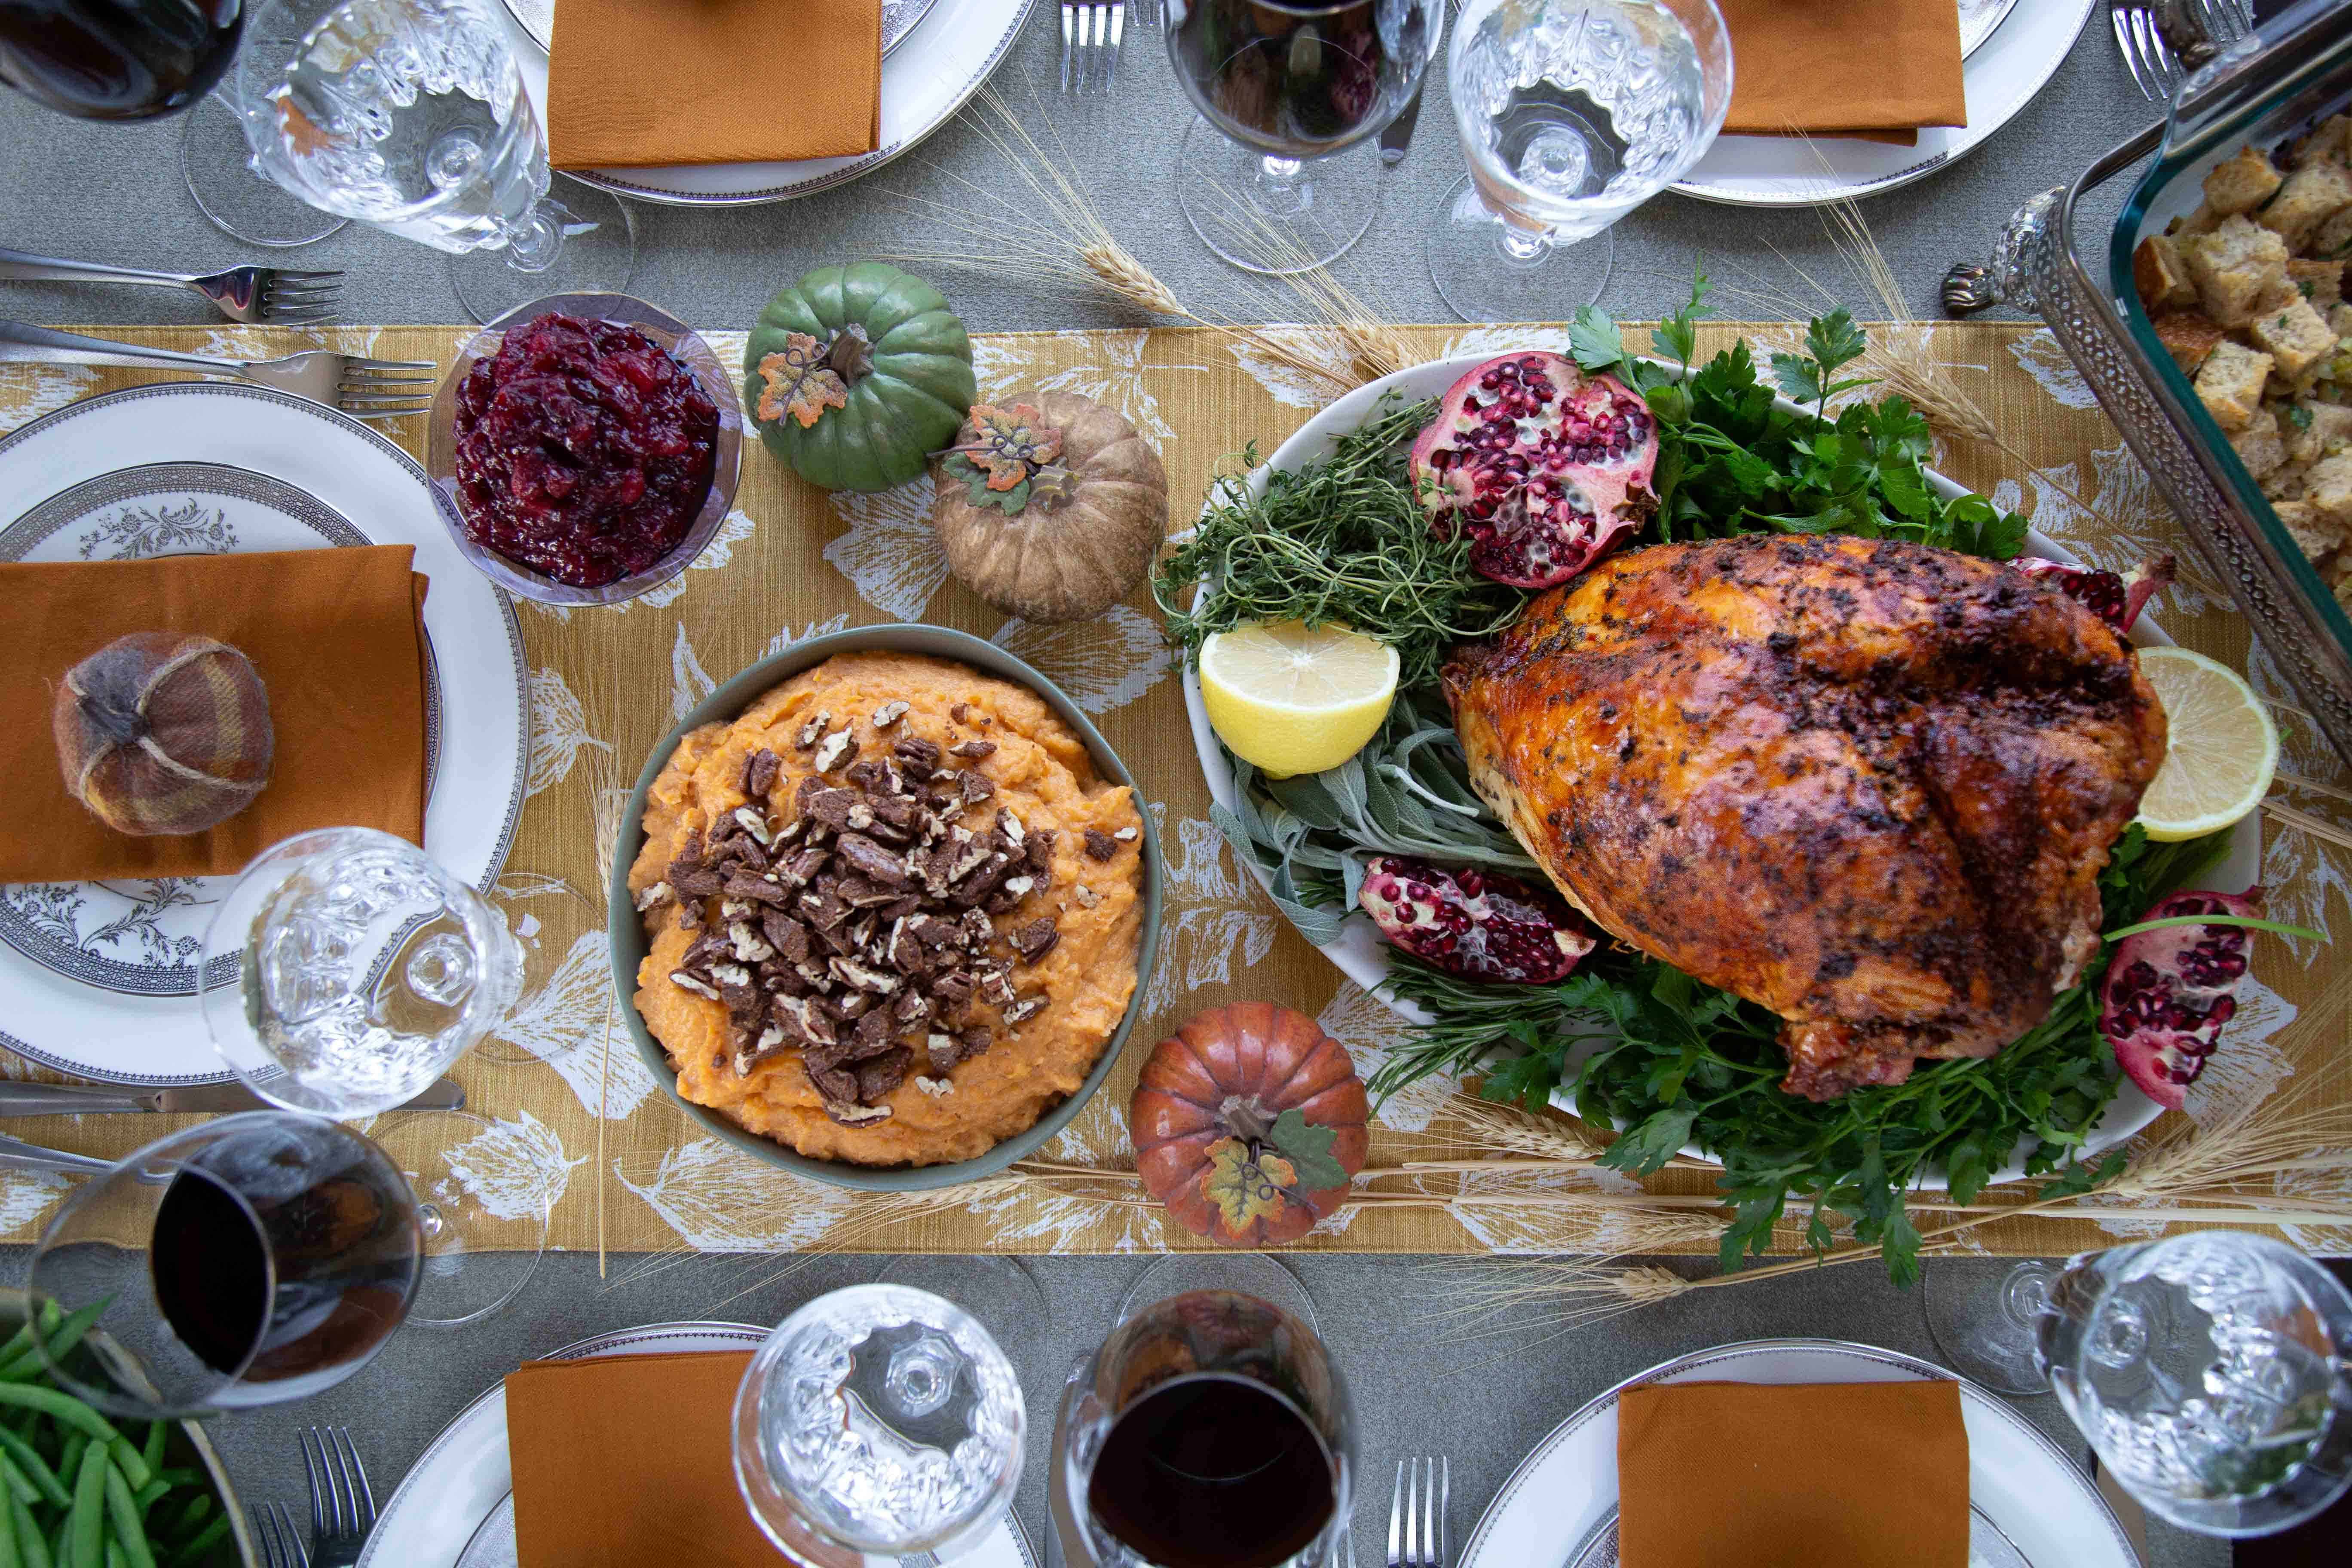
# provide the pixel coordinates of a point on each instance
(2304, 822)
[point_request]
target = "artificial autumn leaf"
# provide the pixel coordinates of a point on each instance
(1309, 1148)
(1246, 1190)
(1010, 444)
(800, 382)
(977, 489)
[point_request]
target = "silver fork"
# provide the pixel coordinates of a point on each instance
(270, 296)
(2163, 40)
(1417, 1534)
(1092, 31)
(362, 388)
(343, 1509)
(274, 1532)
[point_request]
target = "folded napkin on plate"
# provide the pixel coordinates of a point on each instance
(1877, 69)
(636, 82)
(1850, 1474)
(334, 636)
(627, 1461)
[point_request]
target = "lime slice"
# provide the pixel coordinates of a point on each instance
(2223, 749)
(1293, 701)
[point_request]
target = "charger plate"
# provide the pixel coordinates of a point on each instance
(454, 1509)
(1559, 1510)
(100, 976)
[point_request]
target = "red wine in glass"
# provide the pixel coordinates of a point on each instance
(1212, 1471)
(118, 60)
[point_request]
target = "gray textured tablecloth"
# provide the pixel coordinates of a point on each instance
(114, 193)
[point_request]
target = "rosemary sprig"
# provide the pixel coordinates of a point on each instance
(1342, 539)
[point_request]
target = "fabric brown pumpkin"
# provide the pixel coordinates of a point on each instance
(163, 732)
(1249, 1123)
(1051, 510)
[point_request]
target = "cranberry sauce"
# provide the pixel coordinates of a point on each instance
(585, 449)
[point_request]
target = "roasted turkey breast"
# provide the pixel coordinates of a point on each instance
(1869, 784)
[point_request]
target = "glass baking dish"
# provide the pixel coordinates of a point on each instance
(2270, 87)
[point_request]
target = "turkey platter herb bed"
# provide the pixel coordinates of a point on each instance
(1397, 534)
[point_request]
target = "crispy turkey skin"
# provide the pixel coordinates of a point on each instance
(1869, 784)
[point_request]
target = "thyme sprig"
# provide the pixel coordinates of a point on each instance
(1341, 540)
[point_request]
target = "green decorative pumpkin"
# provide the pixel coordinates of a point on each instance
(856, 374)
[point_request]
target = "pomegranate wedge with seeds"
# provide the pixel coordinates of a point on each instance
(1543, 467)
(2115, 597)
(1482, 925)
(2168, 992)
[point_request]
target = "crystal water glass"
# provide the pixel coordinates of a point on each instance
(2211, 1372)
(411, 115)
(1572, 113)
(1276, 176)
(364, 969)
(877, 1423)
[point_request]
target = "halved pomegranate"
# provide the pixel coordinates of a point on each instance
(2168, 992)
(1482, 925)
(1542, 466)
(2115, 598)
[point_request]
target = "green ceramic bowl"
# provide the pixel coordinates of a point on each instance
(187, 1447)
(628, 936)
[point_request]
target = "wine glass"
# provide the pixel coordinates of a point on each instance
(363, 970)
(1213, 1427)
(250, 1260)
(1295, 87)
(877, 1423)
(117, 59)
(2211, 1372)
(1572, 113)
(411, 115)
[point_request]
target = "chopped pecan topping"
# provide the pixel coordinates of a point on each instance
(866, 774)
(693, 982)
(1037, 939)
(850, 1115)
(753, 821)
(871, 860)
(760, 773)
(834, 749)
(1100, 846)
(889, 713)
(752, 890)
(785, 934)
(975, 748)
(976, 786)
(878, 1076)
(748, 945)
(1024, 1010)
(975, 1041)
(864, 977)
(942, 1050)
(814, 730)
(934, 1087)
(1125, 836)
(922, 754)
(649, 895)
(1087, 898)
(1038, 848)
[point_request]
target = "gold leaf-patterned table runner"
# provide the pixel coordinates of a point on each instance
(607, 684)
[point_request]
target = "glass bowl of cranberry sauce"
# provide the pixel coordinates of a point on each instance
(584, 448)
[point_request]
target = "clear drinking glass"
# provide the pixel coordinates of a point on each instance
(250, 1260)
(2208, 1371)
(1211, 1430)
(1273, 177)
(877, 1423)
(411, 115)
(1572, 113)
(363, 970)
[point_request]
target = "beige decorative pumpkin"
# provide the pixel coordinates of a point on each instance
(163, 732)
(1050, 510)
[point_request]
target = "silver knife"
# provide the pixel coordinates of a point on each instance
(1397, 134)
(80, 1100)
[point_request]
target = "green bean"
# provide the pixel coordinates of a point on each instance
(59, 1345)
(17, 1480)
(150, 1494)
(128, 1459)
(30, 1544)
(86, 1525)
(194, 1514)
(20, 1343)
(195, 1551)
(59, 1406)
(36, 1468)
(56, 1545)
(9, 1556)
(122, 1515)
(157, 1433)
(114, 1557)
(69, 1464)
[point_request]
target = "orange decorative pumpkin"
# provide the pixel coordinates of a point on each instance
(1249, 1122)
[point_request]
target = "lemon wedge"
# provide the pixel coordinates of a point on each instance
(1295, 700)
(2221, 751)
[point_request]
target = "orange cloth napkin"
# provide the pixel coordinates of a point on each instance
(638, 83)
(1876, 69)
(334, 635)
(627, 1461)
(1850, 1475)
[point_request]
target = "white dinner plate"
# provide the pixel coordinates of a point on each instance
(938, 65)
(99, 976)
(1360, 952)
(2038, 1504)
(454, 1509)
(2011, 63)
(899, 18)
